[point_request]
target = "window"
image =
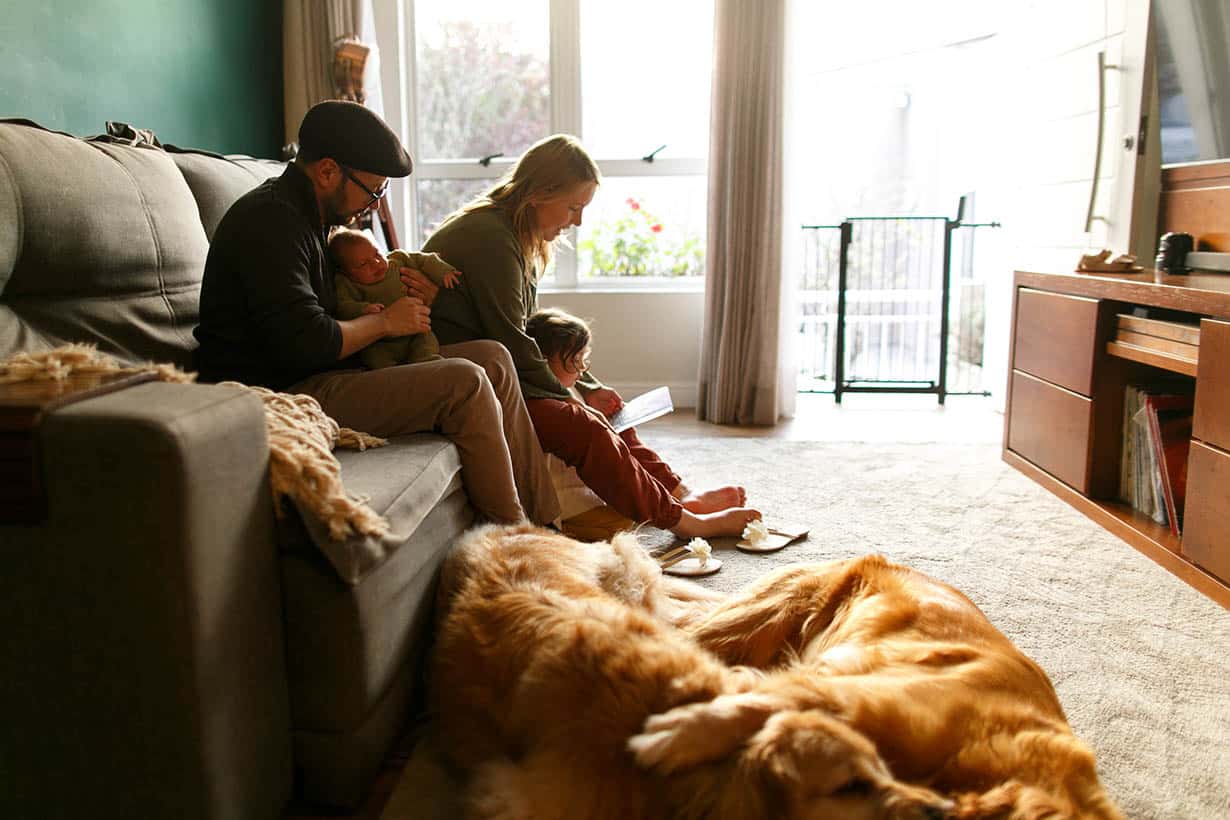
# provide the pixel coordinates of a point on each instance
(631, 79)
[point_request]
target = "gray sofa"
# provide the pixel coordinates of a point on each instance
(168, 646)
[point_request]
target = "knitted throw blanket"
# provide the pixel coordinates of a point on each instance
(301, 437)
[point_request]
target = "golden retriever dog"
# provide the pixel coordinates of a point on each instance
(574, 680)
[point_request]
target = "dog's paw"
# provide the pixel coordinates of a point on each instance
(699, 732)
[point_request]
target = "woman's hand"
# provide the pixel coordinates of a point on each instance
(419, 286)
(605, 400)
(407, 316)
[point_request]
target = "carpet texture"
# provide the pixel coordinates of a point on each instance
(1141, 661)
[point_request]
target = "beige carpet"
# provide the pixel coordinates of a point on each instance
(1140, 660)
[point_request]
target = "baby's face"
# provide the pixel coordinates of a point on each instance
(569, 371)
(363, 263)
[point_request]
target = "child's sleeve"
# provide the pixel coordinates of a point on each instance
(350, 302)
(428, 264)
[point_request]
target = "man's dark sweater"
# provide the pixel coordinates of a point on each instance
(267, 298)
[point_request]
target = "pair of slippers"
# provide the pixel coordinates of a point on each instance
(694, 559)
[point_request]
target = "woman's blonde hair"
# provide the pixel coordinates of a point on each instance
(549, 167)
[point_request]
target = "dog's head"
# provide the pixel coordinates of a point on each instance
(822, 768)
(746, 755)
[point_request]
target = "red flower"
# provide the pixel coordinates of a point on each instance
(656, 228)
(632, 203)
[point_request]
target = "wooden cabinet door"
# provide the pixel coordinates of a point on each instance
(1050, 426)
(1056, 338)
(1206, 518)
(1212, 419)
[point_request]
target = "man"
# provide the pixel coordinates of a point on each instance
(267, 305)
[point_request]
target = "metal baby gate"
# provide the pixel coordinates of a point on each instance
(877, 307)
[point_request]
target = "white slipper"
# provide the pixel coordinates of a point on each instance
(693, 566)
(771, 544)
(779, 536)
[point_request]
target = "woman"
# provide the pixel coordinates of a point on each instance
(502, 242)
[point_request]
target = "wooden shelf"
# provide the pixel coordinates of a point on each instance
(1184, 329)
(1149, 538)
(1156, 358)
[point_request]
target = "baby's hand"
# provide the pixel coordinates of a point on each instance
(373, 307)
(452, 278)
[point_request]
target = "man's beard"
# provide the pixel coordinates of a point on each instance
(333, 209)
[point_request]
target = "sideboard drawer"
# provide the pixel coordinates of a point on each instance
(1212, 420)
(1206, 515)
(1056, 338)
(1050, 426)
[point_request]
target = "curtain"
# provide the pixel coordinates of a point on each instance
(309, 29)
(741, 370)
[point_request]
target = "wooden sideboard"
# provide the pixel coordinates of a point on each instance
(1064, 421)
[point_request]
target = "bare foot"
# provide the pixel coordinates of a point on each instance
(715, 500)
(714, 524)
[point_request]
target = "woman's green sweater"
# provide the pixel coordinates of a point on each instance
(494, 297)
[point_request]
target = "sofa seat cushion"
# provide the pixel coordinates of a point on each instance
(401, 482)
(347, 641)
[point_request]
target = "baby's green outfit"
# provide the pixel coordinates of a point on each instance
(353, 297)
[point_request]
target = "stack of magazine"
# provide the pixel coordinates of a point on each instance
(1157, 430)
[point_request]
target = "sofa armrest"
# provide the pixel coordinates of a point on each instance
(142, 647)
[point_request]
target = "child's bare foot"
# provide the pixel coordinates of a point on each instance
(714, 524)
(715, 500)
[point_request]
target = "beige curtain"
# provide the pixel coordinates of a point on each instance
(309, 29)
(741, 368)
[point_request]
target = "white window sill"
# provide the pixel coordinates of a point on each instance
(631, 284)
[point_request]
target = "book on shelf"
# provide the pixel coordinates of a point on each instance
(1156, 438)
(1170, 423)
(643, 408)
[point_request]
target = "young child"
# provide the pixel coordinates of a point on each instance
(368, 283)
(564, 340)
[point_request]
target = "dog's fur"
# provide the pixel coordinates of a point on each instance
(574, 680)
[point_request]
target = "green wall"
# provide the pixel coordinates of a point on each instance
(199, 73)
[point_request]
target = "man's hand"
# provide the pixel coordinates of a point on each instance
(605, 400)
(452, 278)
(407, 316)
(373, 307)
(419, 286)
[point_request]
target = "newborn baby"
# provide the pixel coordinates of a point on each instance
(368, 283)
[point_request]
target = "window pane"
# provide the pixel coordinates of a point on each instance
(482, 77)
(644, 226)
(437, 198)
(645, 68)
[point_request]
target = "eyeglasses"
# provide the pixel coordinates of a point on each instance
(374, 196)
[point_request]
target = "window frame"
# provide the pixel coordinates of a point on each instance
(565, 83)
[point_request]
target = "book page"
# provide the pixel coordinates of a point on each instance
(643, 408)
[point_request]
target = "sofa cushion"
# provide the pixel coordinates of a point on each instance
(401, 482)
(217, 181)
(99, 243)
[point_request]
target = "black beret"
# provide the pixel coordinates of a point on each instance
(353, 136)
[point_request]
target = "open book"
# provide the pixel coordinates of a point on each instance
(643, 408)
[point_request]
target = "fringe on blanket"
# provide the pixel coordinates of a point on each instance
(301, 436)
